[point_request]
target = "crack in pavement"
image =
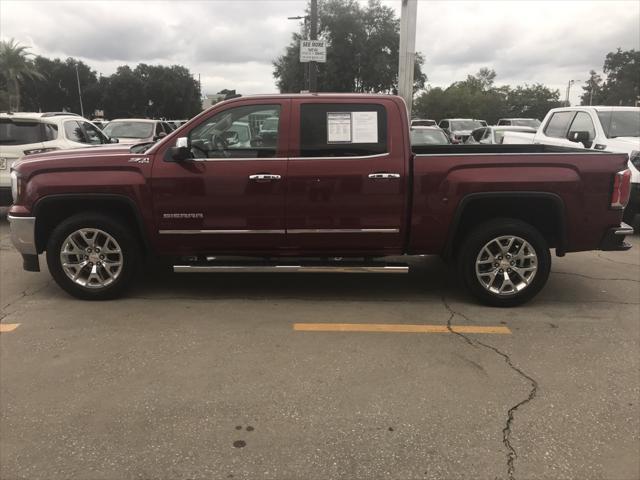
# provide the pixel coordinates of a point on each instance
(596, 278)
(506, 431)
(22, 295)
(616, 261)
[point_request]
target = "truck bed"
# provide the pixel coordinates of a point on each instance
(577, 181)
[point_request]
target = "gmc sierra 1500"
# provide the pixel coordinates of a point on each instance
(319, 177)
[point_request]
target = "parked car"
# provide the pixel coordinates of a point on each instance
(614, 129)
(428, 136)
(175, 124)
(423, 122)
(459, 129)
(137, 130)
(519, 122)
(340, 180)
(494, 135)
(268, 131)
(100, 123)
(29, 133)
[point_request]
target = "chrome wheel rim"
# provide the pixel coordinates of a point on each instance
(506, 265)
(91, 258)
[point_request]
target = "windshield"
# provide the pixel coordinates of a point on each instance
(465, 125)
(129, 129)
(620, 124)
(526, 122)
(427, 137)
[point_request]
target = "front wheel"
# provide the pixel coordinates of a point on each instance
(92, 256)
(504, 262)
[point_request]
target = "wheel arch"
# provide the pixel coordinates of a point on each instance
(543, 210)
(52, 209)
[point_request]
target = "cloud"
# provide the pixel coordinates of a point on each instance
(231, 44)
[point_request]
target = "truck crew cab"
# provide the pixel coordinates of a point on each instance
(336, 177)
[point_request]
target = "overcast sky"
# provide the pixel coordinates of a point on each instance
(231, 43)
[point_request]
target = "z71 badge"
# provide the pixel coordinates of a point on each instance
(139, 160)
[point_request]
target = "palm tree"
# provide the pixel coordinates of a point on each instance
(16, 68)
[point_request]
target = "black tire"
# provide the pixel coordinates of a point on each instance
(629, 216)
(474, 243)
(129, 248)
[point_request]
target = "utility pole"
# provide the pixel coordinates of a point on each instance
(313, 34)
(571, 82)
(407, 51)
(79, 91)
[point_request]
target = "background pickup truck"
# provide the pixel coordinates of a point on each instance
(334, 187)
(614, 129)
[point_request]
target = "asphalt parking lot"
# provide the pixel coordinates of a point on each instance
(206, 377)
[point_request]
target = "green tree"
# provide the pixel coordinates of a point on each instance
(15, 69)
(622, 86)
(362, 51)
(57, 87)
(532, 101)
(478, 97)
(592, 89)
(475, 97)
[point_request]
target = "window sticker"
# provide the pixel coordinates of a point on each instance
(364, 127)
(338, 127)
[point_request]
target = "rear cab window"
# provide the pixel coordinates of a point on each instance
(342, 130)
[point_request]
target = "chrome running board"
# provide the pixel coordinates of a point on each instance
(289, 269)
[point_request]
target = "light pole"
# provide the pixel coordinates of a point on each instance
(79, 90)
(571, 82)
(407, 51)
(306, 72)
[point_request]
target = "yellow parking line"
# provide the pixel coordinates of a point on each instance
(398, 328)
(8, 327)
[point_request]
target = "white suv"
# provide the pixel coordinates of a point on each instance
(27, 133)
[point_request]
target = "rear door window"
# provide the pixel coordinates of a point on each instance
(20, 133)
(558, 124)
(342, 129)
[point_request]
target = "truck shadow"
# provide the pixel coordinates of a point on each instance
(428, 278)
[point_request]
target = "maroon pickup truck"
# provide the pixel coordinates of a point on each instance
(314, 183)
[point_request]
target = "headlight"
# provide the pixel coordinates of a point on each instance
(16, 186)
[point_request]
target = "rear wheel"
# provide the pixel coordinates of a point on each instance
(504, 262)
(92, 256)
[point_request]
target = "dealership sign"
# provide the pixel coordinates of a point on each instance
(313, 51)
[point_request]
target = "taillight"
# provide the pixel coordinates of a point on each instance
(40, 150)
(621, 189)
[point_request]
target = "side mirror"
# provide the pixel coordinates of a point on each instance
(181, 151)
(580, 137)
(113, 140)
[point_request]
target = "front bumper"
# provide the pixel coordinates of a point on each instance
(23, 237)
(614, 238)
(23, 234)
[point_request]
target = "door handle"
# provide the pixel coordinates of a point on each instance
(264, 177)
(383, 175)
